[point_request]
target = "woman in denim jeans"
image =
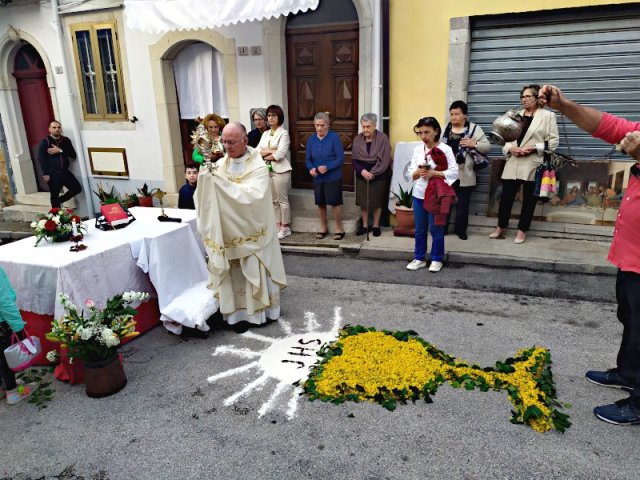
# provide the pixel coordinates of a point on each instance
(421, 169)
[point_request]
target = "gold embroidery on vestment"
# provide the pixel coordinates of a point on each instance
(234, 242)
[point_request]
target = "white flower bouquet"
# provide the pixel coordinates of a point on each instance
(94, 334)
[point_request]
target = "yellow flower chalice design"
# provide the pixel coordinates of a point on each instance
(390, 367)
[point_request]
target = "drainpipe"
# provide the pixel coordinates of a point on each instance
(376, 64)
(385, 67)
(75, 128)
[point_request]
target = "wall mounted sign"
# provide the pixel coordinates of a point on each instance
(108, 162)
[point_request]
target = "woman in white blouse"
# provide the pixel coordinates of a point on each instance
(421, 169)
(274, 148)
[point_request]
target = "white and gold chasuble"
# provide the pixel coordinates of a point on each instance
(236, 221)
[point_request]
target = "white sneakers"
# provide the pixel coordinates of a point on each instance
(284, 232)
(21, 392)
(435, 266)
(416, 264)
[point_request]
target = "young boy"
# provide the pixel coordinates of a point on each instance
(185, 195)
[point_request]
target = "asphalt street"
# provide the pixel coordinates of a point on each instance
(216, 408)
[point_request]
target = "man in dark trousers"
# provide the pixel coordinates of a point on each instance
(624, 253)
(54, 153)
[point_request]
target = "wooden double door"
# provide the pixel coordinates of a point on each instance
(322, 76)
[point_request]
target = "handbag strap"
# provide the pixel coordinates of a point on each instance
(25, 345)
(16, 339)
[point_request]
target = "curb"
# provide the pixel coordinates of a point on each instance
(535, 264)
(460, 258)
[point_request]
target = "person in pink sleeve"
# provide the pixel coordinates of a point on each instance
(624, 253)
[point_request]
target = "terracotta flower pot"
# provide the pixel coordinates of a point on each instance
(404, 216)
(145, 201)
(104, 378)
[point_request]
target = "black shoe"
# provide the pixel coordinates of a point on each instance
(240, 327)
(462, 236)
(376, 231)
(188, 332)
(362, 231)
(623, 412)
(215, 321)
(609, 378)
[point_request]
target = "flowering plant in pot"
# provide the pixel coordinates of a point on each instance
(94, 334)
(57, 225)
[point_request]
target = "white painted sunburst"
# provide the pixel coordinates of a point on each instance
(286, 359)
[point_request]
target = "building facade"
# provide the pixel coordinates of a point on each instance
(127, 92)
(484, 52)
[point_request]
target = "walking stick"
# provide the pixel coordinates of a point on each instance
(367, 210)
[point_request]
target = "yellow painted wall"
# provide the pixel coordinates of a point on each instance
(419, 48)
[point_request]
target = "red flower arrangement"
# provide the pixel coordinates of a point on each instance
(57, 225)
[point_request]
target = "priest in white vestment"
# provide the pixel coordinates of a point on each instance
(235, 218)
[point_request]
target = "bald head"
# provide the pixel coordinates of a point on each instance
(234, 139)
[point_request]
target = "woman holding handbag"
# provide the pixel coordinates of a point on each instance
(524, 155)
(10, 321)
(469, 145)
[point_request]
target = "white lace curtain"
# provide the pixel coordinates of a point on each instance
(158, 16)
(199, 74)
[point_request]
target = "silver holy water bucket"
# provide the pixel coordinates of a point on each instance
(506, 128)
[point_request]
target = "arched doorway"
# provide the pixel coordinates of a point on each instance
(35, 102)
(200, 86)
(322, 76)
(162, 54)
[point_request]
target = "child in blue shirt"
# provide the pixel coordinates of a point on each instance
(185, 195)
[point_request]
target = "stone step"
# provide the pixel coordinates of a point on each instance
(305, 200)
(23, 213)
(573, 231)
(40, 199)
(312, 224)
(304, 212)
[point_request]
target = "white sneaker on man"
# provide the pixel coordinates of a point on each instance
(416, 264)
(435, 266)
(284, 232)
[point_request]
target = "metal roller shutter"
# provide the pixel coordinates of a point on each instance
(593, 54)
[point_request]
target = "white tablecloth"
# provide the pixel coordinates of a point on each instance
(116, 261)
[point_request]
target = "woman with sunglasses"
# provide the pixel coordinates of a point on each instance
(524, 155)
(422, 168)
